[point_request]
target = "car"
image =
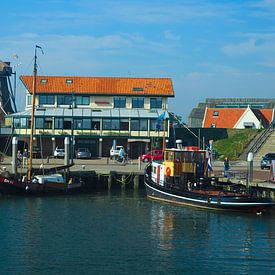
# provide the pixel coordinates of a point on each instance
(266, 160)
(83, 153)
(152, 155)
(114, 151)
(59, 153)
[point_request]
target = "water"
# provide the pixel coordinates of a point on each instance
(125, 233)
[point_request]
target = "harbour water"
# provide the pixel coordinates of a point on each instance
(125, 233)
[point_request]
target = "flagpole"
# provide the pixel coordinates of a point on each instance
(163, 138)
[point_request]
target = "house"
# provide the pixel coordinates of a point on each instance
(95, 112)
(229, 110)
(237, 118)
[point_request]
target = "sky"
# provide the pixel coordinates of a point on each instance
(209, 48)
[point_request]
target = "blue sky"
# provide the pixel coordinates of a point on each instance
(209, 48)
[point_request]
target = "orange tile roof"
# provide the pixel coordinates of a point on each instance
(266, 115)
(227, 117)
(101, 85)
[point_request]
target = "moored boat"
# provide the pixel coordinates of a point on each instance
(181, 178)
(38, 181)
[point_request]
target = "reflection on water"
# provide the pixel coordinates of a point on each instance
(124, 232)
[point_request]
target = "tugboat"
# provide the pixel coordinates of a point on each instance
(181, 178)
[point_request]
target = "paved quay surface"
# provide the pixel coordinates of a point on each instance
(99, 165)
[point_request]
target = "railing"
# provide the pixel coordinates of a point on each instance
(260, 140)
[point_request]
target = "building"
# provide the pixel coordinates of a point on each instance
(232, 113)
(95, 112)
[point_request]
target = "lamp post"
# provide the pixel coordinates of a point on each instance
(72, 143)
(249, 170)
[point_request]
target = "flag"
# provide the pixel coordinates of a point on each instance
(159, 121)
(161, 117)
(209, 165)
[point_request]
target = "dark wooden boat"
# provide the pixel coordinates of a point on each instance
(181, 178)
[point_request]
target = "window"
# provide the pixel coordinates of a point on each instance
(138, 102)
(48, 123)
(58, 123)
(29, 100)
(134, 124)
(155, 103)
(23, 122)
(64, 100)
(82, 100)
(139, 125)
(215, 113)
(39, 123)
(86, 123)
(78, 124)
(46, 99)
(119, 102)
(137, 89)
(106, 124)
(124, 124)
(44, 81)
(69, 81)
(16, 122)
(67, 124)
(213, 125)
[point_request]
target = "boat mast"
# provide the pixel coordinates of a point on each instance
(33, 109)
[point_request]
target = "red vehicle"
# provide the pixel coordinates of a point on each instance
(152, 155)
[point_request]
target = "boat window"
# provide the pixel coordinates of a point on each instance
(177, 156)
(154, 170)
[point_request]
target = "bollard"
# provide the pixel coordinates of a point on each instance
(107, 160)
(14, 155)
(139, 164)
(48, 159)
(136, 182)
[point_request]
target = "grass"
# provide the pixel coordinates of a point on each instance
(232, 147)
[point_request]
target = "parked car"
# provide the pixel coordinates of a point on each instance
(266, 160)
(114, 152)
(83, 153)
(59, 153)
(152, 155)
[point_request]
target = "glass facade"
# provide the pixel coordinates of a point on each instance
(46, 99)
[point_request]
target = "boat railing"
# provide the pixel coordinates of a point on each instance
(239, 175)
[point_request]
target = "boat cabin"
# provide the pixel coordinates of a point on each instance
(180, 165)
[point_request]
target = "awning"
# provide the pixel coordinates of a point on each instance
(139, 140)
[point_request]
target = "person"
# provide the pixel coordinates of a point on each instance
(25, 158)
(122, 154)
(226, 167)
(19, 158)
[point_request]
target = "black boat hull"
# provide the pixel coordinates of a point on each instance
(242, 203)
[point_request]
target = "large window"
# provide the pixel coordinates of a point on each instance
(39, 123)
(82, 100)
(78, 124)
(111, 124)
(58, 123)
(23, 122)
(120, 102)
(16, 122)
(138, 102)
(48, 123)
(64, 99)
(86, 124)
(46, 99)
(155, 103)
(139, 125)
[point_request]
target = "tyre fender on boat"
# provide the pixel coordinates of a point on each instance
(168, 171)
